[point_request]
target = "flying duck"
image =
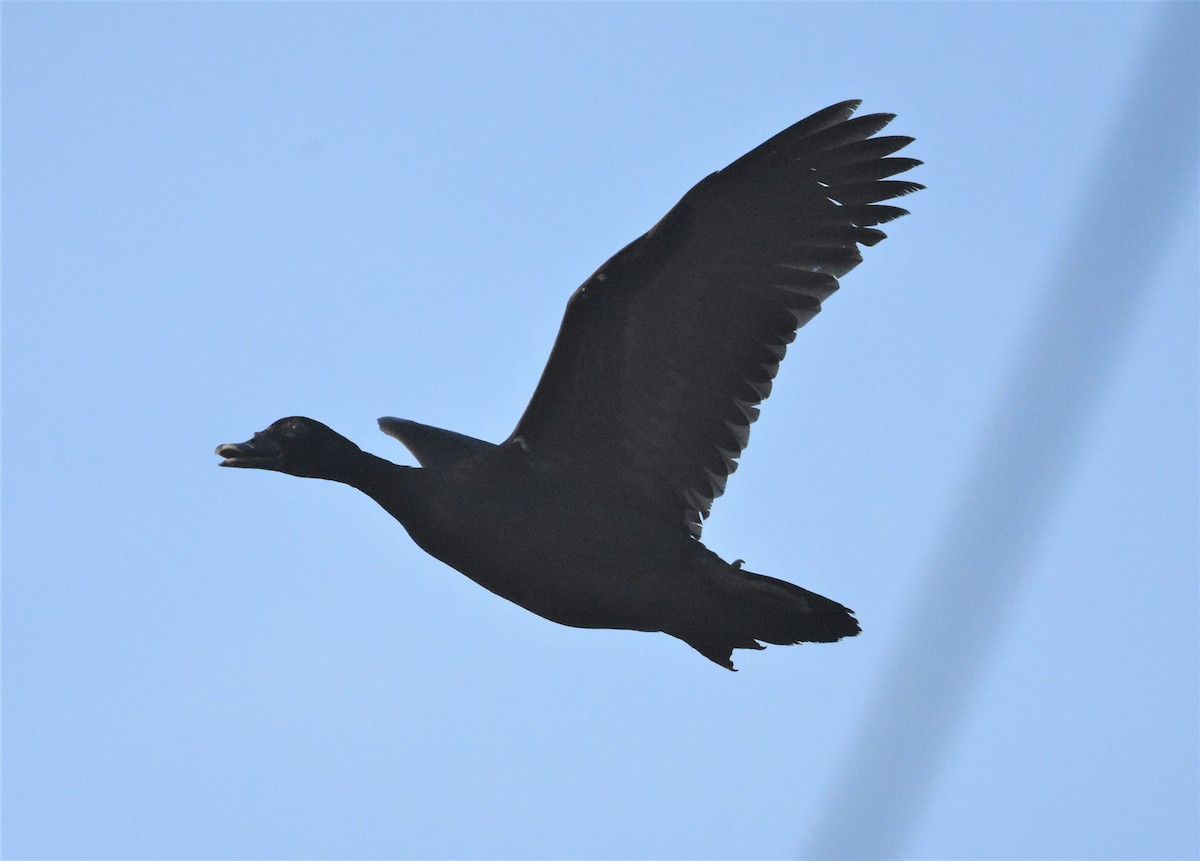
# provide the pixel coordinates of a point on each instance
(590, 513)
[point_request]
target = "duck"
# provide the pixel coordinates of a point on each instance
(590, 513)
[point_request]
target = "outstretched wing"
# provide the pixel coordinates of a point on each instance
(666, 351)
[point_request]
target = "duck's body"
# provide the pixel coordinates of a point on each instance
(592, 562)
(582, 559)
(589, 515)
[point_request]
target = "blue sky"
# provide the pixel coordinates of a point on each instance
(215, 215)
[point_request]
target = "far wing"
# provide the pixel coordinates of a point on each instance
(666, 351)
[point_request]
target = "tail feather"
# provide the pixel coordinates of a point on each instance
(749, 608)
(785, 614)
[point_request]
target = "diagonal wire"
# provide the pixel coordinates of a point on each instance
(1146, 174)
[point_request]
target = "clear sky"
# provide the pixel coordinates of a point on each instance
(215, 215)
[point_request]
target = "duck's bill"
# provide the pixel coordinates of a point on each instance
(260, 452)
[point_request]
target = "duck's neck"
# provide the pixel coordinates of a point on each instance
(398, 489)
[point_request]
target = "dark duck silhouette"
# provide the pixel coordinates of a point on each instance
(590, 513)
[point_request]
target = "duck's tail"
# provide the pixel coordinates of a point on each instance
(748, 608)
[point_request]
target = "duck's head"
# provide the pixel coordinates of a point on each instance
(295, 445)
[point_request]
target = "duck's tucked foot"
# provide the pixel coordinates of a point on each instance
(720, 654)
